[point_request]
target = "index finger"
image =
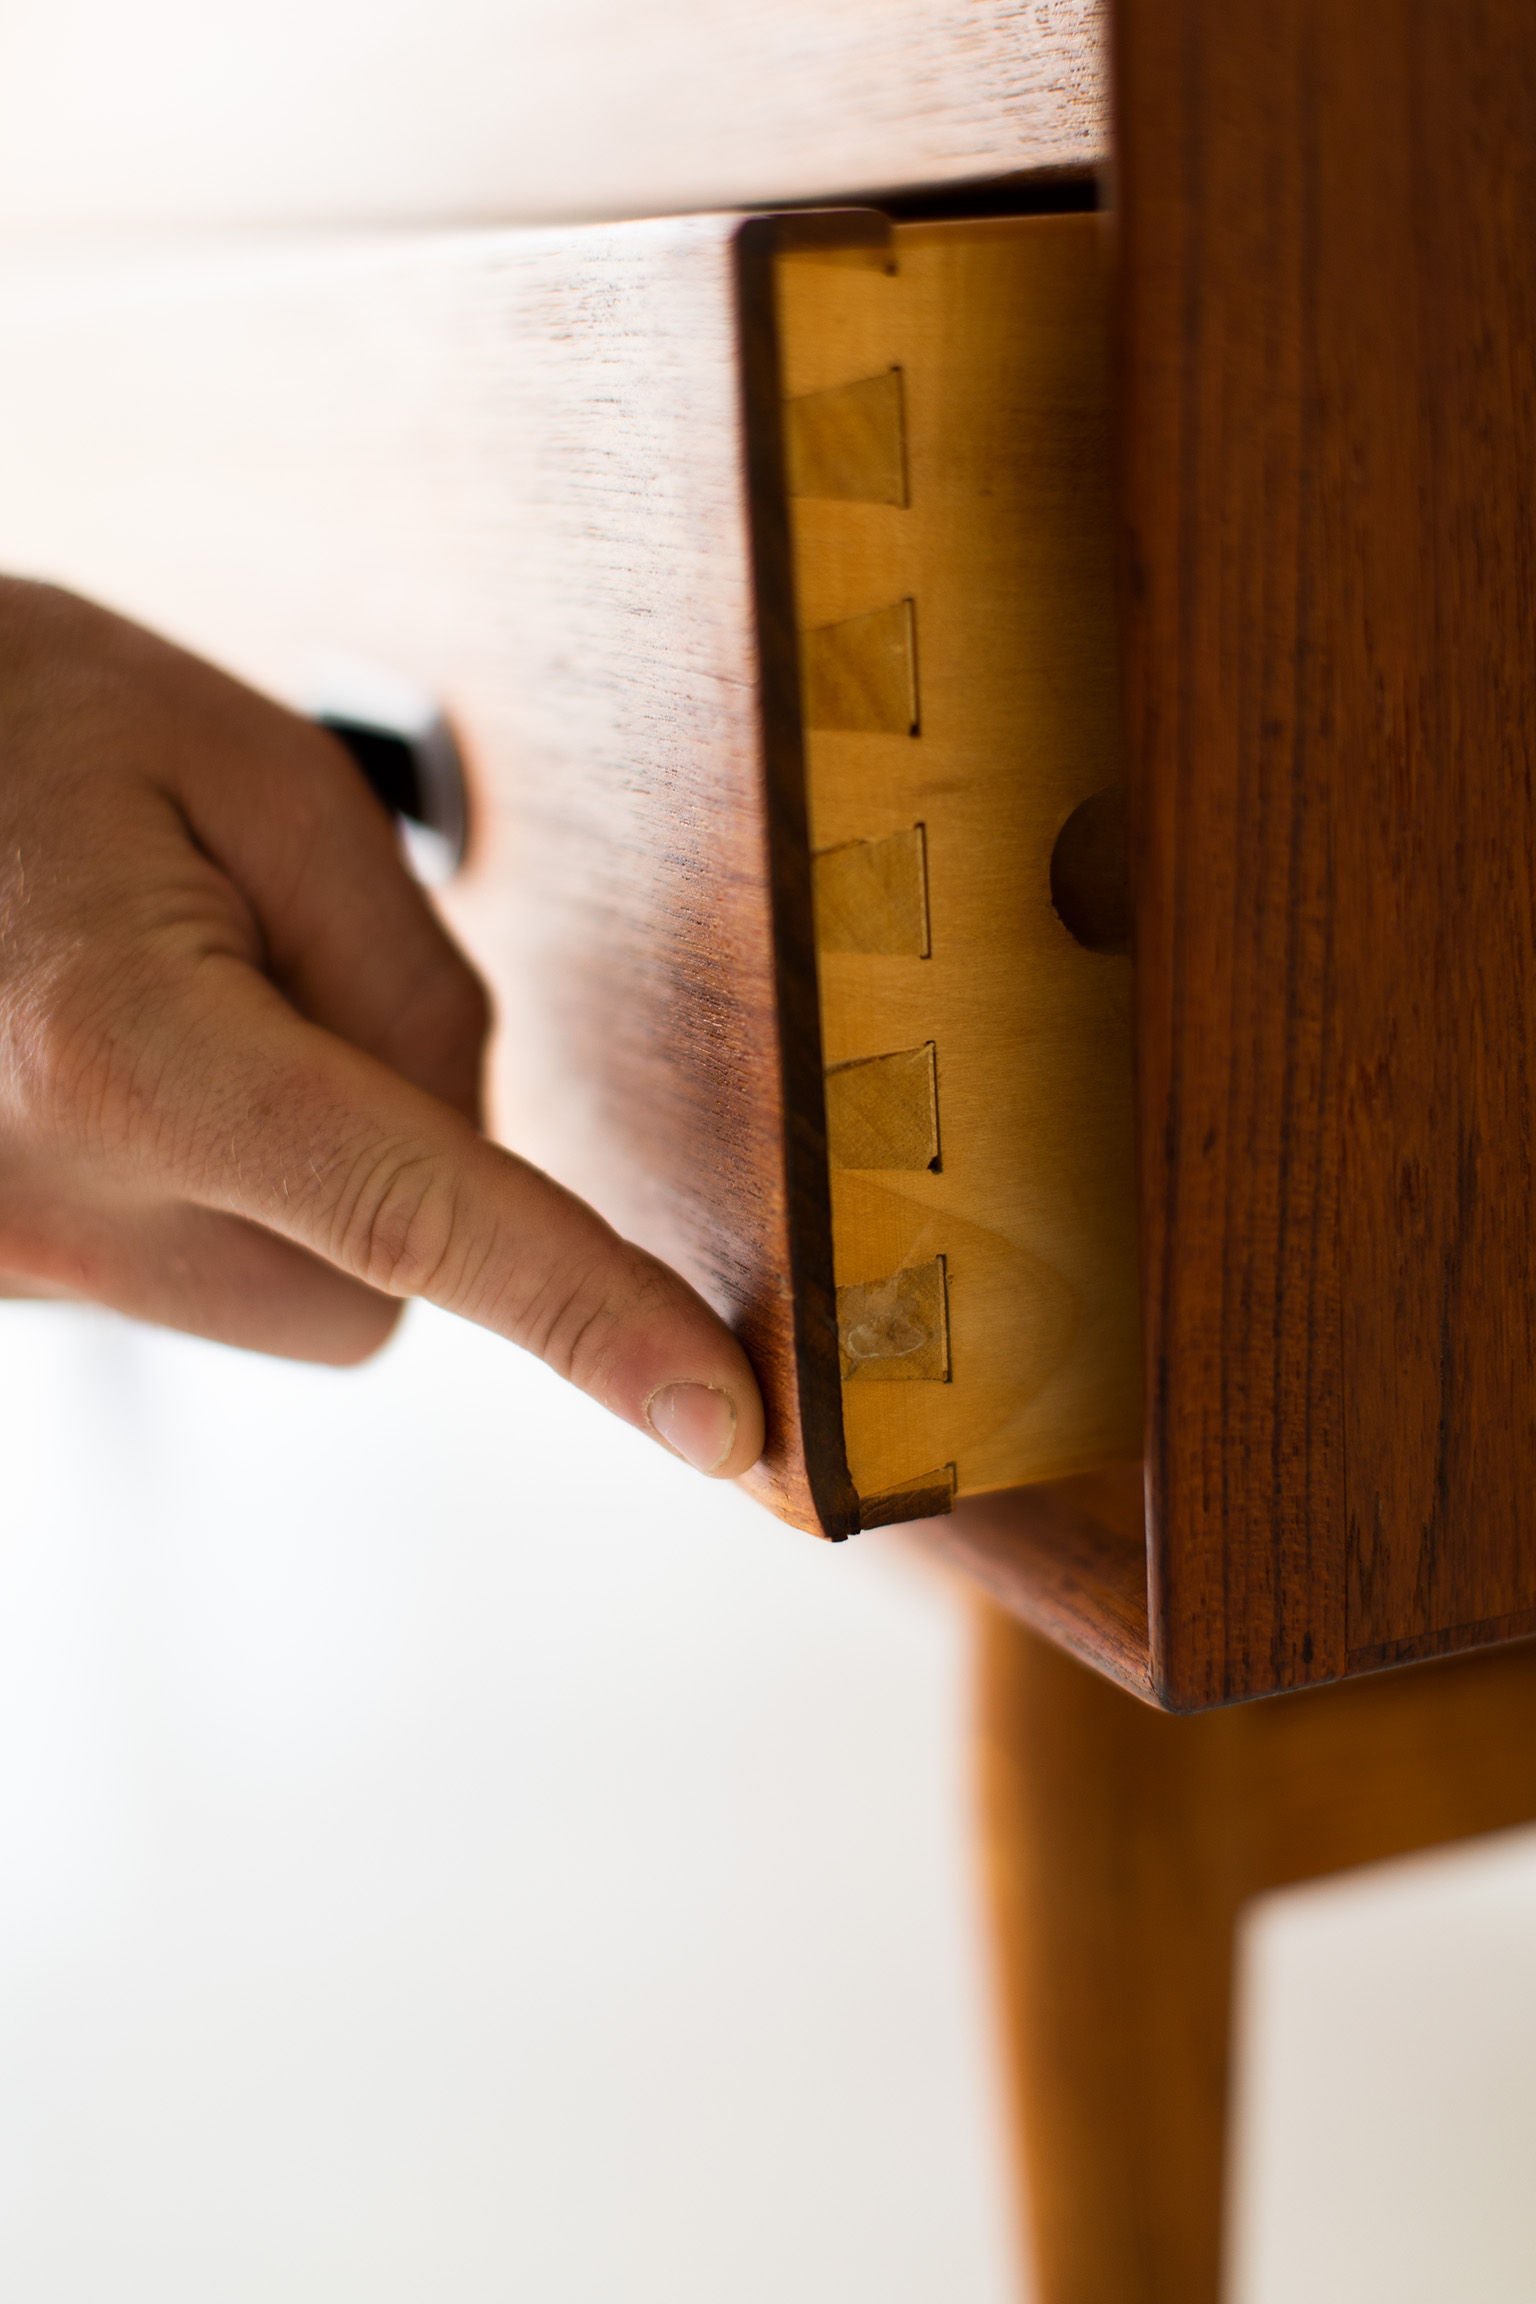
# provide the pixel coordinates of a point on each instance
(258, 1112)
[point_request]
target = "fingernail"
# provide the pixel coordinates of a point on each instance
(695, 1421)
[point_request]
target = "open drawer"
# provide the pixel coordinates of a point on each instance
(763, 570)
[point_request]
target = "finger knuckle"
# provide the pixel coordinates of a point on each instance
(398, 1224)
(77, 1048)
(580, 1315)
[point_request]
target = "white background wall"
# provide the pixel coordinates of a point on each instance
(1388, 2114)
(447, 1850)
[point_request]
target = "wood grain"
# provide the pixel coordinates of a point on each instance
(510, 468)
(1122, 1846)
(848, 442)
(969, 756)
(883, 1111)
(1068, 1557)
(860, 673)
(872, 895)
(1328, 436)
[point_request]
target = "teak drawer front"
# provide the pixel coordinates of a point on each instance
(545, 476)
(507, 467)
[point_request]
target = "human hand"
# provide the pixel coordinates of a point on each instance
(240, 1058)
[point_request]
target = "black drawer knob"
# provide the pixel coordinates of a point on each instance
(410, 757)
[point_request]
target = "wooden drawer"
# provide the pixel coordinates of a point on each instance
(724, 547)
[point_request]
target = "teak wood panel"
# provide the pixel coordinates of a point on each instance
(1328, 334)
(592, 109)
(1327, 418)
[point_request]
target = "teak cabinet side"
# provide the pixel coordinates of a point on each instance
(1326, 411)
(1328, 425)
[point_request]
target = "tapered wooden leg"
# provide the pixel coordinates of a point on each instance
(1121, 1846)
